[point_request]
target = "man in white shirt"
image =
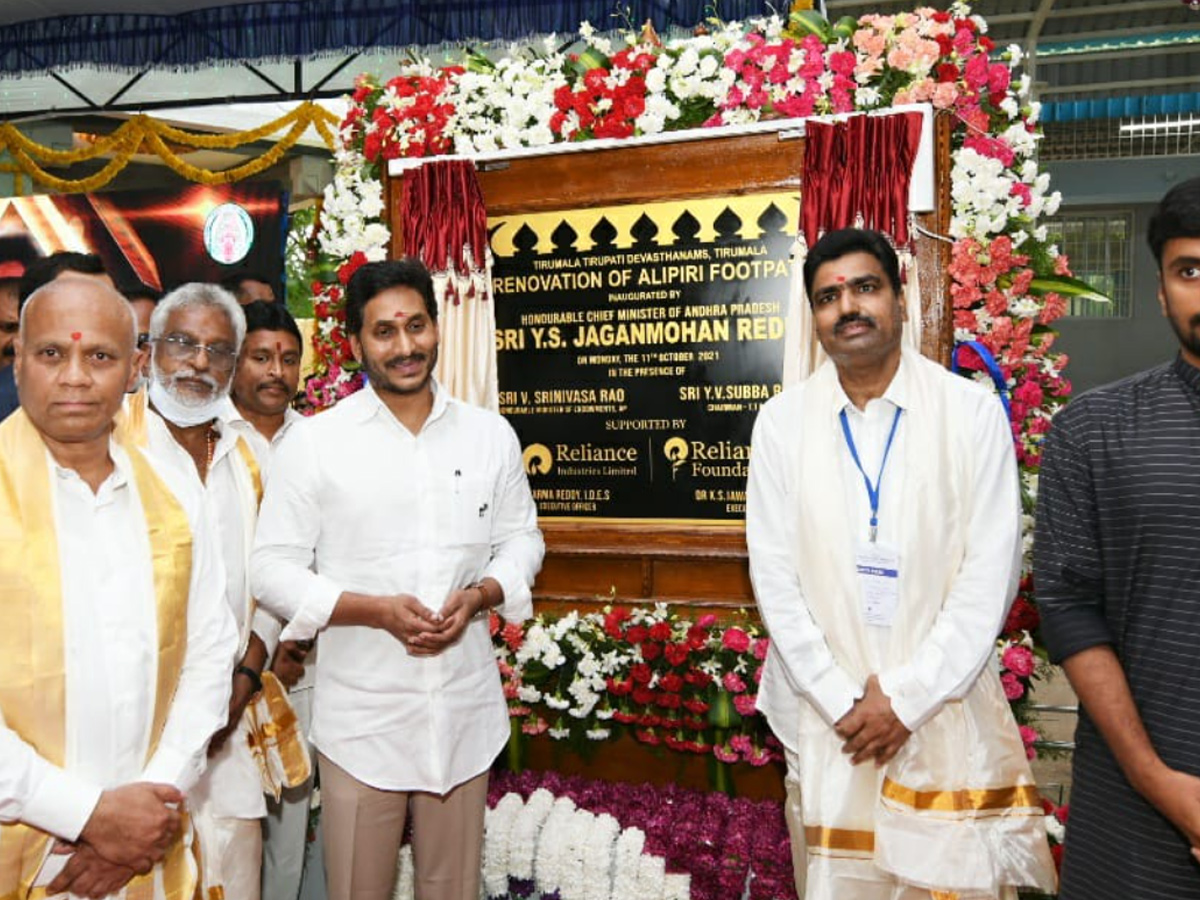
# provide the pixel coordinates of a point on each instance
(264, 384)
(117, 643)
(883, 524)
(196, 332)
(415, 515)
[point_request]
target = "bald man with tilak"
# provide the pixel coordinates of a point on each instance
(115, 657)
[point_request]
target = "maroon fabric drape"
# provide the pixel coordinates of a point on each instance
(860, 166)
(443, 215)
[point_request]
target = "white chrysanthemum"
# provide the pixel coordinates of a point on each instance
(628, 854)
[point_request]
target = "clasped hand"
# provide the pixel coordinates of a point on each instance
(871, 730)
(425, 632)
(129, 831)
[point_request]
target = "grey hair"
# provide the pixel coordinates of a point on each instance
(64, 281)
(199, 294)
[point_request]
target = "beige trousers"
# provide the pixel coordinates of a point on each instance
(363, 827)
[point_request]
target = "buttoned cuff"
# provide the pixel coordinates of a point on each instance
(315, 610)
(267, 627)
(833, 693)
(910, 702)
(518, 598)
(61, 804)
(169, 766)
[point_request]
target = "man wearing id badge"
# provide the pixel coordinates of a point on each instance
(883, 524)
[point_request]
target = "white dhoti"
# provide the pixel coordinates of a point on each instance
(956, 813)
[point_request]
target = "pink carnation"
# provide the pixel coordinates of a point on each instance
(1028, 736)
(733, 683)
(744, 704)
(1013, 689)
(1019, 660)
(736, 640)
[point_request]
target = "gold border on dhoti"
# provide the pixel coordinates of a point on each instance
(838, 840)
(1004, 799)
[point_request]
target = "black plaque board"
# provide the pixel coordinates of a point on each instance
(636, 344)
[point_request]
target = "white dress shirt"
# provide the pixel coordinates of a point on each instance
(111, 652)
(375, 509)
(232, 787)
(963, 638)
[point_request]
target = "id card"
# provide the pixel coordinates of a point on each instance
(878, 567)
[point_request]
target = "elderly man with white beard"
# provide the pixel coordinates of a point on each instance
(196, 332)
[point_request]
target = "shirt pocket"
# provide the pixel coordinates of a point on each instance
(470, 512)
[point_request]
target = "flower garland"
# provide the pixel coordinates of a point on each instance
(643, 671)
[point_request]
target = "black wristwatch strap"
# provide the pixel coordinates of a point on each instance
(255, 677)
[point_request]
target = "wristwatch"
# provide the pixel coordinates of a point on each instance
(255, 677)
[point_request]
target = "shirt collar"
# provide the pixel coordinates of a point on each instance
(117, 479)
(372, 404)
(898, 393)
(1187, 373)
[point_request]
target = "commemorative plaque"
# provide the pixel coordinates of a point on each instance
(636, 343)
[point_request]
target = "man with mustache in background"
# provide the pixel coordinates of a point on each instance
(264, 384)
(883, 522)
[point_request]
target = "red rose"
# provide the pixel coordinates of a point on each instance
(671, 682)
(660, 631)
(643, 696)
(651, 651)
(637, 634)
(641, 673)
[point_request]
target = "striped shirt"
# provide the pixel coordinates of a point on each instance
(1117, 561)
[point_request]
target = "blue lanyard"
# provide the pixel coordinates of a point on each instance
(872, 489)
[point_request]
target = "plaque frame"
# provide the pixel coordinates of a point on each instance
(701, 567)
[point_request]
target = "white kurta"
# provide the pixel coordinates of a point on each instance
(111, 650)
(376, 509)
(232, 787)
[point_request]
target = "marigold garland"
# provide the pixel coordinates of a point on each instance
(142, 134)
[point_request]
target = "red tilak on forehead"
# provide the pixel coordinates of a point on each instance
(278, 347)
(76, 335)
(401, 315)
(841, 279)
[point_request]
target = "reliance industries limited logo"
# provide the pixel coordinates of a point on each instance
(538, 459)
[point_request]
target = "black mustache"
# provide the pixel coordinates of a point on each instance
(851, 319)
(272, 384)
(402, 360)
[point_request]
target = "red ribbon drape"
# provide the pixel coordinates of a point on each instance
(444, 214)
(860, 166)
